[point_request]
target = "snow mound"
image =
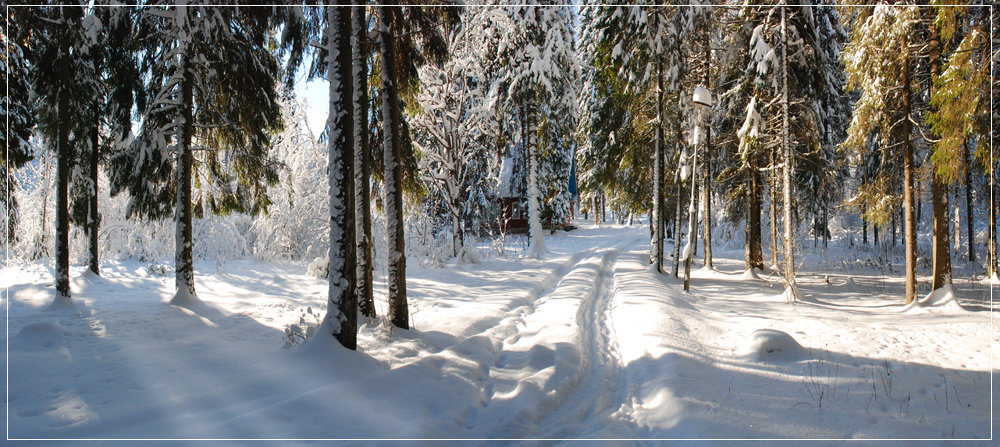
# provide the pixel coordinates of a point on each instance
(750, 273)
(771, 345)
(62, 303)
(319, 268)
(43, 334)
(942, 298)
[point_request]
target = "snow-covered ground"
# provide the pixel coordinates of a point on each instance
(584, 343)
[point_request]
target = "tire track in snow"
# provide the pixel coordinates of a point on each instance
(597, 391)
(593, 391)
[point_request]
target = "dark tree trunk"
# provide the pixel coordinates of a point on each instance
(362, 163)
(968, 205)
(93, 216)
(893, 213)
(864, 226)
(772, 184)
(754, 254)
(342, 304)
(62, 195)
(184, 236)
(398, 309)
(909, 223)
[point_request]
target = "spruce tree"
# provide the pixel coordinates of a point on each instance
(212, 60)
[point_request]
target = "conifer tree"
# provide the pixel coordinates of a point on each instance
(211, 108)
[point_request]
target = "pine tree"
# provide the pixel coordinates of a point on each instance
(64, 84)
(958, 56)
(536, 85)
(212, 60)
(880, 65)
(21, 118)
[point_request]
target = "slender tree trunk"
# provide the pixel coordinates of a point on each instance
(597, 212)
(657, 222)
(793, 289)
(184, 236)
(968, 205)
(939, 190)
(62, 194)
(93, 215)
(458, 236)
(707, 181)
(826, 226)
(909, 223)
(362, 163)
(677, 211)
(398, 308)
(536, 238)
(773, 184)
(754, 254)
(991, 243)
(692, 216)
(864, 225)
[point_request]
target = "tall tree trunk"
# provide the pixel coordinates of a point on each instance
(754, 254)
(398, 309)
(707, 181)
(656, 257)
(939, 190)
(93, 216)
(184, 236)
(342, 303)
(793, 289)
(772, 182)
(362, 163)
(62, 193)
(909, 223)
(968, 205)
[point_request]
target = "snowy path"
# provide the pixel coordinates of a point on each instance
(585, 343)
(573, 358)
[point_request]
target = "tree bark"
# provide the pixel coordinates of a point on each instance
(707, 181)
(773, 217)
(362, 162)
(184, 236)
(342, 302)
(754, 254)
(392, 146)
(657, 221)
(909, 223)
(793, 289)
(968, 205)
(62, 190)
(536, 238)
(93, 215)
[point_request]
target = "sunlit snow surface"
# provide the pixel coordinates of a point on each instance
(586, 342)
